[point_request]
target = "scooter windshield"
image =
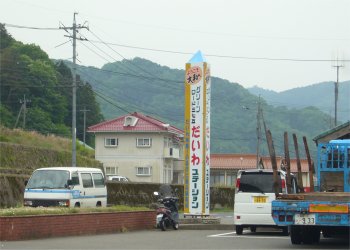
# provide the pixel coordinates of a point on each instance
(165, 190)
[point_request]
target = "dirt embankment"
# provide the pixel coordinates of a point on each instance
(18, 161)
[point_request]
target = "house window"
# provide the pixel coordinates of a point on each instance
(143, 171)
(111, 142)
(217, 178)
(143, 142)
(111, 170)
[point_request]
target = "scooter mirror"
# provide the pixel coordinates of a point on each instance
(156, 193)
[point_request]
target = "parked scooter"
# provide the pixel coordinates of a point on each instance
(167, 212)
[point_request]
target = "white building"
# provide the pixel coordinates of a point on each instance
(141, 148)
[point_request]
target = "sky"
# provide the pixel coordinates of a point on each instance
(274, 44)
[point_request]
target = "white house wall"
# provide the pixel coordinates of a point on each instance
(126, 156)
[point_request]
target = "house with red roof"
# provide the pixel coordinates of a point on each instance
(141, 148)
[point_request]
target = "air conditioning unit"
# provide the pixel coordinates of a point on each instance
(130, 121)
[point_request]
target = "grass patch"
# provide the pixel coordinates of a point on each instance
(23, 211)
(35, 139)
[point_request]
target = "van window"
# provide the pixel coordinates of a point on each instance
(75, 179)
(48, 179)
(87, 180)
(257, 182)
(98, 180)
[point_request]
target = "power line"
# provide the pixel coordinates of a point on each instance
(134, 71)
(191, 53)
(144, 77)
(102, 96)
(174, 87)
(137, 76)
(222, 56)
(121, 55)
(28, 27)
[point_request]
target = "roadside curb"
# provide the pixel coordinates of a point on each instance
(213, 222)
(206, 227)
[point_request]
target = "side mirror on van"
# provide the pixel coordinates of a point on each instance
(69, 182)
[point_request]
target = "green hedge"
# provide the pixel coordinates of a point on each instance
(142, 194)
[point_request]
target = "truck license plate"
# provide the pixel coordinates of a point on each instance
(260, 199)
(305, 219)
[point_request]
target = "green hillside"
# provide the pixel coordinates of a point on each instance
(143, 86)
(134, 85)
(320, 95)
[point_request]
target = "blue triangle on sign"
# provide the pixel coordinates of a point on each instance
(198, 57)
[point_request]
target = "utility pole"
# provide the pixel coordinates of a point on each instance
(258, 132)
(84, 110)
(24, 109)
(336, 86)
(74, 28)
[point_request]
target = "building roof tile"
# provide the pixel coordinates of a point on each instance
(248, 161)
(144, 123)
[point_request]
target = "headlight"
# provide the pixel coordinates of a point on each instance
(63, 203)
(28, 203)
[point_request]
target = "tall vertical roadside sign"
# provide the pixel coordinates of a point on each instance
(197, 137)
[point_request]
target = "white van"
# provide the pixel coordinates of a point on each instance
(254, 194)
(66, 187)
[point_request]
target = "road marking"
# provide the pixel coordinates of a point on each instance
(233, 235)
(221, 235)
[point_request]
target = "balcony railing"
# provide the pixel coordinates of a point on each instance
(172, 153)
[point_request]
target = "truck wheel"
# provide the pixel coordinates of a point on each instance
(326, 233)
(317, 235)
(285, 231)
(295, 235)
(239, 230)
(310, 235)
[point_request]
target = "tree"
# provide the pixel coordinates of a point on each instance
(86, 100)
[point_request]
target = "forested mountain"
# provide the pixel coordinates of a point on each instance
(144, 86)
(320, 95)
(27, 73)
(136, 85)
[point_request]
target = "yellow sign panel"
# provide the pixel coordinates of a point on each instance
(324, 208)
(197, 137)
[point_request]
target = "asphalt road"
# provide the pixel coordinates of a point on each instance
(171, 239)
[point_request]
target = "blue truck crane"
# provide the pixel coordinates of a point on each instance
(326, 211)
